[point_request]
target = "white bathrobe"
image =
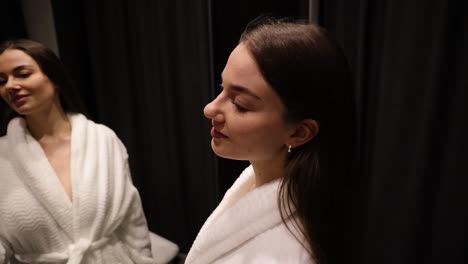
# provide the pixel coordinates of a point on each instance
(246, 228)
(103, 223)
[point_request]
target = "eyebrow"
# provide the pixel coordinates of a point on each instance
(21, 67)
(240, 89)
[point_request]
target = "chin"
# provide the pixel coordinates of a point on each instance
(219, 152)
(226, 154)
(22, 112)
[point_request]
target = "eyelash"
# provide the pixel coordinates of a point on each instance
(24, 75)
(21, 76)
(239, 108)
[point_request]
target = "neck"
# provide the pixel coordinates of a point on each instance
(266, 171)
(50, 123)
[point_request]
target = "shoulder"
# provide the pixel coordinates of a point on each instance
(281, 243)
(101, 128)
(103, 133)
(107, 132)
(79, 120)
(111, 137)
(277, 245)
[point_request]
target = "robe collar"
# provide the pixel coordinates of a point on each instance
(241, 215)
(37, 173)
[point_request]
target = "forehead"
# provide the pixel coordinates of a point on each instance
(241, 69)
(241, 64)
(13, 58)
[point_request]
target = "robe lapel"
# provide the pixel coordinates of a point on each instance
(235, 222)
(38, 175)
(89, 170)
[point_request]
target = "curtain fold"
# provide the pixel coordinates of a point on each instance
(13, 27)
(149, 78)
(410, 62)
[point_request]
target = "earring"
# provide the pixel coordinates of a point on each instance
(289, 149)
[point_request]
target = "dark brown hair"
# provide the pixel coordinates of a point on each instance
(309, 72)
(53, 68)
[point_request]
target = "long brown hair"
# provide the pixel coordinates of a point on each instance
(53, 68)
(309, 72)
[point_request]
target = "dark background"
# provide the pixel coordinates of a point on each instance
(147, 68)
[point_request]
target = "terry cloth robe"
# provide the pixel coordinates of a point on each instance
(103, 223)
(246, 228)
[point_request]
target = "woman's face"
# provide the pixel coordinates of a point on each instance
(23, 85)
(248, 115)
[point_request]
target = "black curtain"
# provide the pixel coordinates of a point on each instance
(144, 68)
(12, 22)
(410, 60)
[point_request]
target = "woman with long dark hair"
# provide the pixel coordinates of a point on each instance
(66, 194)
(286, 106)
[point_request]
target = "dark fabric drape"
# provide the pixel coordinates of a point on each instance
(410, 62)
(12, 22)
(149, 78)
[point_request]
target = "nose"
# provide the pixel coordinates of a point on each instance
(11, 84)
(11, 87)
(213, 110)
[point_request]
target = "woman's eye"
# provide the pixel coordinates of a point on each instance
(240, 108)
(23, 75)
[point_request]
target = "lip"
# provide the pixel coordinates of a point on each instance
(19, 99)
(216, 134)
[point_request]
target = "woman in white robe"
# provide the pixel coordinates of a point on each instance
(285, 91)
(66, 194)
(247, 227)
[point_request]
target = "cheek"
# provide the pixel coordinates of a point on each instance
(45, 90)
(4, 96)
(245, 128)
(260, 131)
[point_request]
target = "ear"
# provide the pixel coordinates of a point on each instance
(304, 131)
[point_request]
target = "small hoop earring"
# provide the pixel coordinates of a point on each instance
(289, 148)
